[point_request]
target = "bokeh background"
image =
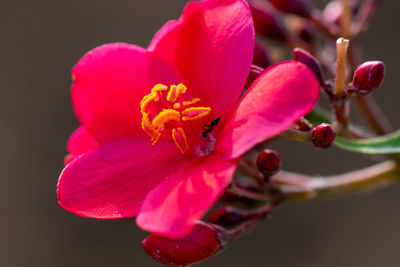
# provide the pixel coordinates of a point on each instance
(41, 40)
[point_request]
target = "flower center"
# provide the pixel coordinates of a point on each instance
(167, 112)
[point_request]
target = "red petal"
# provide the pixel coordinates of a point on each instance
(172, 208)
(81, 141)
(212, 48)
(278, 98)
(109, 83)
(204, 241)
(112, 180)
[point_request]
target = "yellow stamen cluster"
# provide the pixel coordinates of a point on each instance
(172, 118)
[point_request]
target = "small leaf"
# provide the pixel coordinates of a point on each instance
(388, 144)
(318, 115)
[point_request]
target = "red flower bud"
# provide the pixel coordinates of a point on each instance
(255, 71)
(310, 61)
(204, 241)
(267, 21)
(227, 216)
(298, 7)
(368, 76)
(260, 57)
(269, 162)
(323, 135)
(305, 33)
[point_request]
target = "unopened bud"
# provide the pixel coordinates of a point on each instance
(255, 71)
(260, 57)
(368, 76)
(269, 162)
(323, 135)
(204, 241)
(227, 216)
(298, 7)
(310, 61)
(306, 34)
(267, 21)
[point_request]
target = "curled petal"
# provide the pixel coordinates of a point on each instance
(81, 141)
(172, 208)
(212, 48)
(277, 98)
(109, 84)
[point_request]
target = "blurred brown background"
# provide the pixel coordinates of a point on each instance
(41, 40)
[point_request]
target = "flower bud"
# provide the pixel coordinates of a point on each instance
(204, 241)
(255, 71)
(269, 162)
(260, 57)
(368, 76)
(306, 34)
(268, 21)
(298, 7)
(227, 216)
(310, 61)
(323, 135)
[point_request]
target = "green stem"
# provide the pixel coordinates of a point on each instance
(291, 186)
(296, 135)
(312, 187)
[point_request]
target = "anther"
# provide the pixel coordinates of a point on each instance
(186, 103)
(176, 91)
(175, 110)
(164, 117)
(180, 139)
(191, 114)
(149, 129)
(159, 88)
(147, 100)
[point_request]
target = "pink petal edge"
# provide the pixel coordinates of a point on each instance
(112, 181)
(211, 46)
(172, 208)
(279, 97)
(109, 83)
(80, 142)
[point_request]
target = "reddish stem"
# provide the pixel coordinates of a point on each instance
(373, 115)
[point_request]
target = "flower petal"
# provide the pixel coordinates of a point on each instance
(112, 180)
(279, 97)
(81, 141)
(172, 208)
(109, 83)
(212, 48)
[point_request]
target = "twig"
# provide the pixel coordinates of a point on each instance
(373, 115)
(382, 172)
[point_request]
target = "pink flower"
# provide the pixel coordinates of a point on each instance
(144, 148)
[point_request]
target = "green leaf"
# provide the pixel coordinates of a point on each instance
(388, 144)
(318, 115)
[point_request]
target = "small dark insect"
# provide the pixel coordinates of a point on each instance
(210, 127)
